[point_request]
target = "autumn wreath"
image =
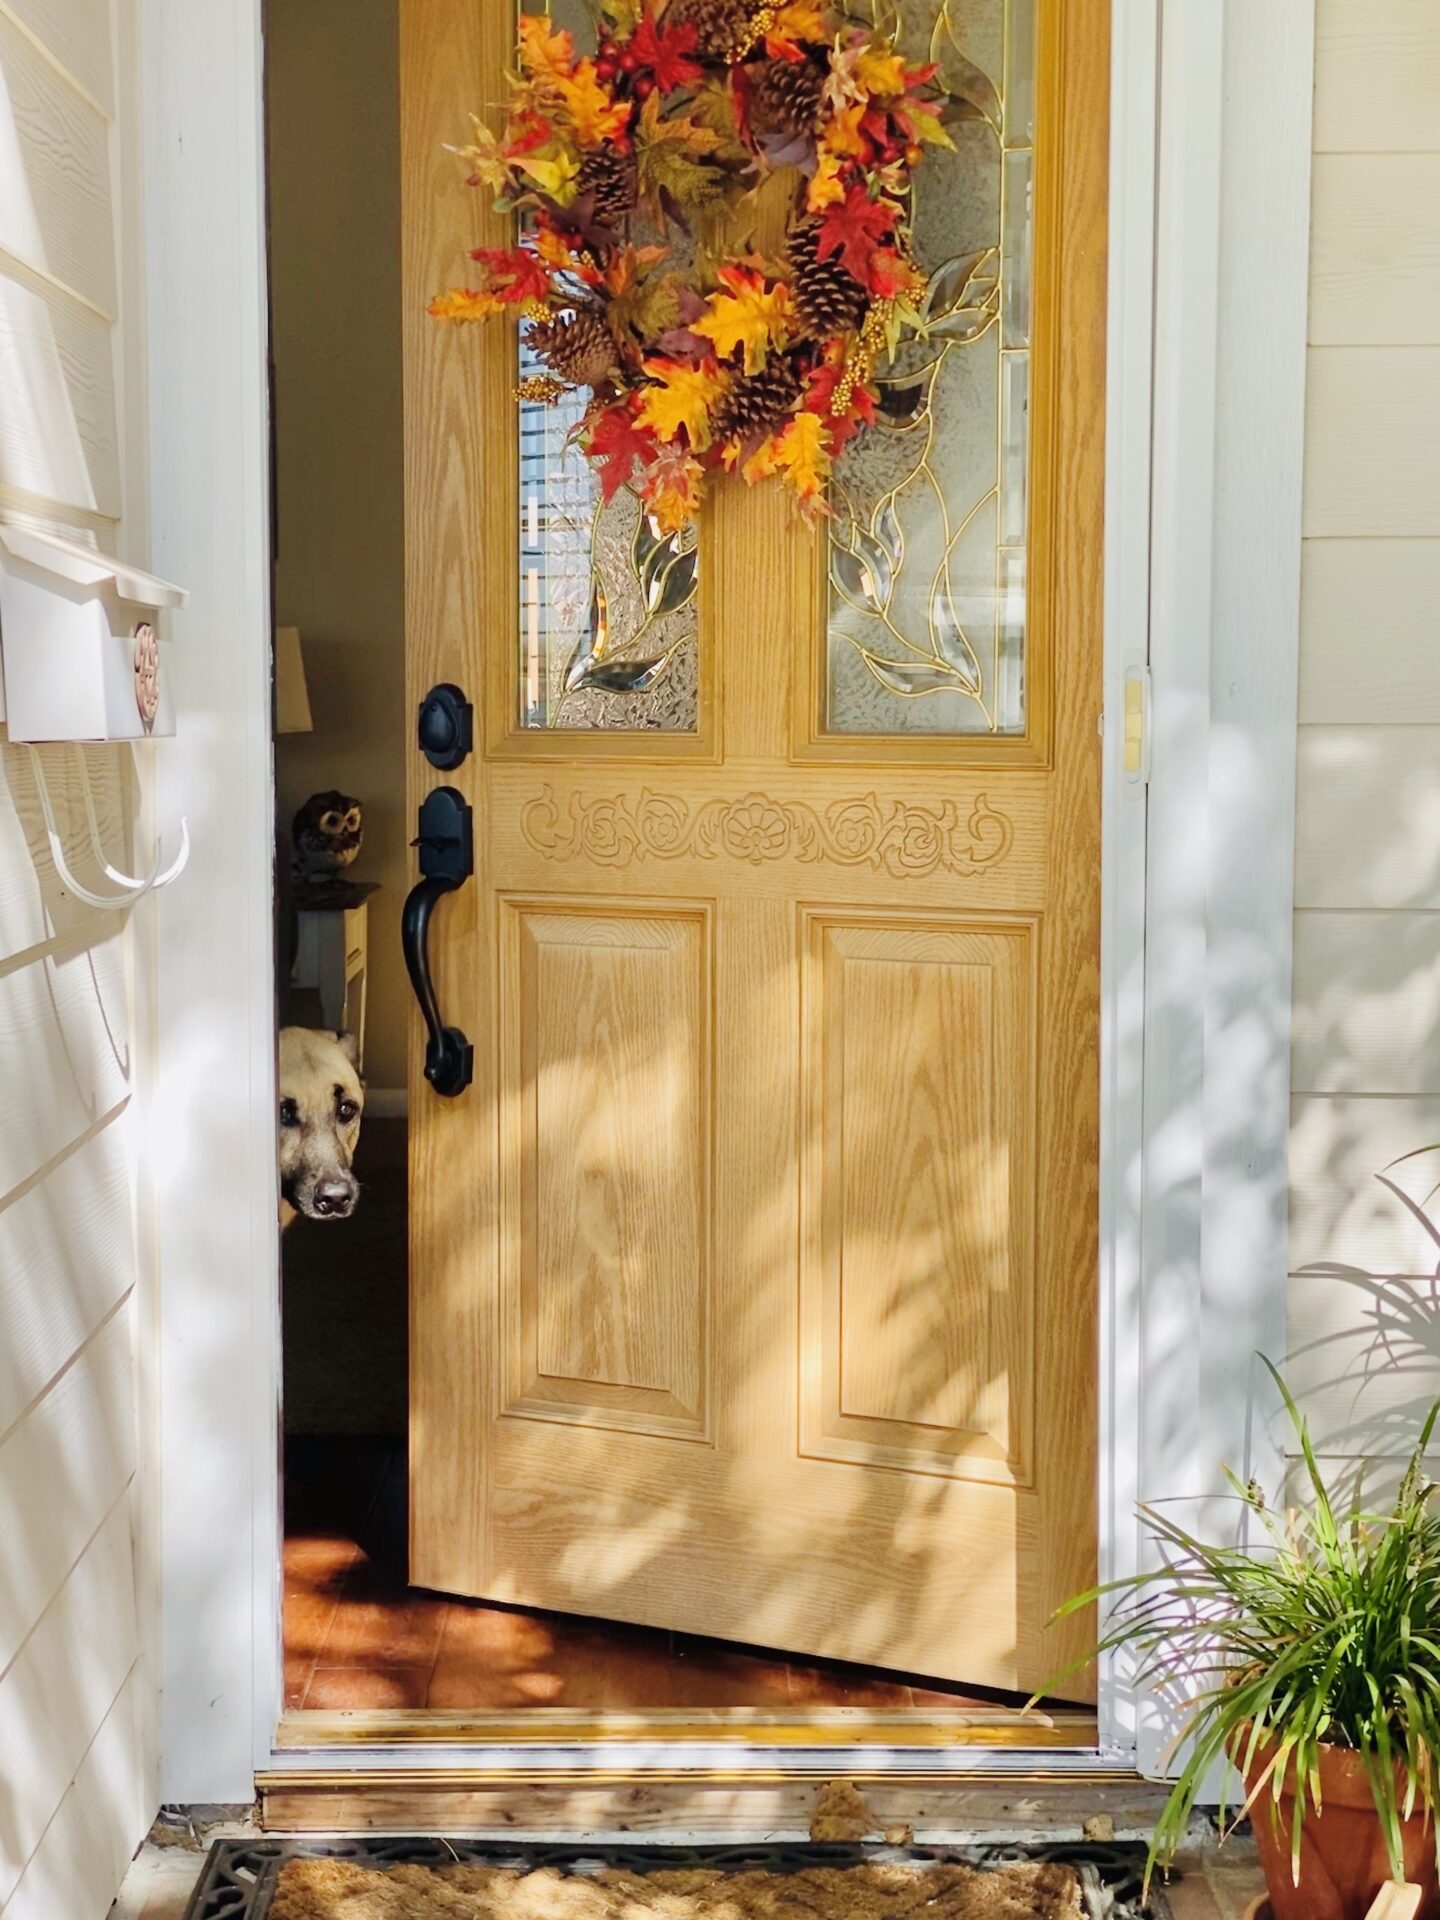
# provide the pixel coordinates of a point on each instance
(714, 235)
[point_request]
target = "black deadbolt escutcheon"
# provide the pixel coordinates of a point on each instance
(445, 727)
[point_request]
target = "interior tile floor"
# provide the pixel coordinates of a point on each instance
(356, 1636)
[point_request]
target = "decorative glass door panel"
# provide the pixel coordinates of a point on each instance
(926, 627)
(607, 612)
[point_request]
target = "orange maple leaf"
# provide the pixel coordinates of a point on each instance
(680, 400)
(826, 186)
(843, 134)
(556, 249)
(671, 489)
(801, 458)
(747, 314)
(879, 72)
(597, 118)
(464, 303)
(795, 22)
(545, 54)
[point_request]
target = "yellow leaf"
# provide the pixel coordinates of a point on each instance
(795, 21)
(545, 55)
(747, 314)
(800, 457)
(925, 125)
(464, 303)
(843, 134)
(554, 173)
(482, 157)
(880, 72)
(597, 118)
(682, 398)
(556, 249)
(825, 187)
(672, 490)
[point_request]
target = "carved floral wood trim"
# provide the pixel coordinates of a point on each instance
(897, 835)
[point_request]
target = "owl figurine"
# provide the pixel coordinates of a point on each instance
(325, 836)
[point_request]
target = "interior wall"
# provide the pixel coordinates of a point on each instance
(334, 192)
(1364, 1317)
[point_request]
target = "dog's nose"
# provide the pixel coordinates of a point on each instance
(334, 1196)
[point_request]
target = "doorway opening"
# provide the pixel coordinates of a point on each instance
(360, 1637)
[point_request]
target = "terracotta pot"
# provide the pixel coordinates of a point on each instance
(1343, 1863)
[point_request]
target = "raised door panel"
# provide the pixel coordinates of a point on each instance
(917, 1277)
(606, 1064)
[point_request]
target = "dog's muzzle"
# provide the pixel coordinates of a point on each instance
(333, 1199)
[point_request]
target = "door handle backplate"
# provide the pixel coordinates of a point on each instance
(446, 846)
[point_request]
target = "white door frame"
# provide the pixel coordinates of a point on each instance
(1208, 269)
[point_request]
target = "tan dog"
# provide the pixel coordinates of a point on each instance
(320, 1103)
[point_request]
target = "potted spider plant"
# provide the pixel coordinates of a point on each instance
(1312, 1662)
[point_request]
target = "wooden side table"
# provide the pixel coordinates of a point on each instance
(332, 954)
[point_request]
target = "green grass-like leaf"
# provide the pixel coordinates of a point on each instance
(1328, 1634)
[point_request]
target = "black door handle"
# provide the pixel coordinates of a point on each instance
(446, 862)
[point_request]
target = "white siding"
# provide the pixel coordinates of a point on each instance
(76, 1716)
(1364, 1302)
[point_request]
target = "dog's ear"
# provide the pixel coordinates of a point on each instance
(350, 1047)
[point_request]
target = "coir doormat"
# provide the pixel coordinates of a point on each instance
(399, 1879)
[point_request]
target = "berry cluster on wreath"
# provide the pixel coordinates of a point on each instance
(715, 215)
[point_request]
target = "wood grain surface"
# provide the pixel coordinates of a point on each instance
(753, 1280)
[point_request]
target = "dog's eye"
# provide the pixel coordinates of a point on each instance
(289, 1114)
(347, 1111)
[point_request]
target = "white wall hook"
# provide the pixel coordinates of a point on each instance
(132, 889)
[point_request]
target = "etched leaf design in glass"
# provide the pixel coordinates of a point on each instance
(608, 626)
(926, 627)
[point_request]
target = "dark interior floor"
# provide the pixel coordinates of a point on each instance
(357, 1636)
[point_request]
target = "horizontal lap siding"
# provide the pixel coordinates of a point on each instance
(1364, 1302)
(73, 1690)
(62, 1685)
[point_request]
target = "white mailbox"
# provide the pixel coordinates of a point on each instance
(83, 641)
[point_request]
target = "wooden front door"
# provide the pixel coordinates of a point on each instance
(753, 1278)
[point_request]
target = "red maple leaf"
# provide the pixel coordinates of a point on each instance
(889, 273)
(853, 228)
(663, 51)
(616, 444)
(512, 274)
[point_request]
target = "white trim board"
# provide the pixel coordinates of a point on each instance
(1205, 438)
(212, 1144)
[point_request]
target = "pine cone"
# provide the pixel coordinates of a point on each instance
(786, 96)
(609, 177)
(757, 401)
(829, 298)
(723, 27)
(580, 349)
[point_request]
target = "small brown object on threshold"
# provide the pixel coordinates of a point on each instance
(841, 1813)
(342, 1890)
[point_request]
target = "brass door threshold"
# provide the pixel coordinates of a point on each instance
(848, 1727)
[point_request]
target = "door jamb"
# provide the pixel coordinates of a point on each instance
(1205, 416)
